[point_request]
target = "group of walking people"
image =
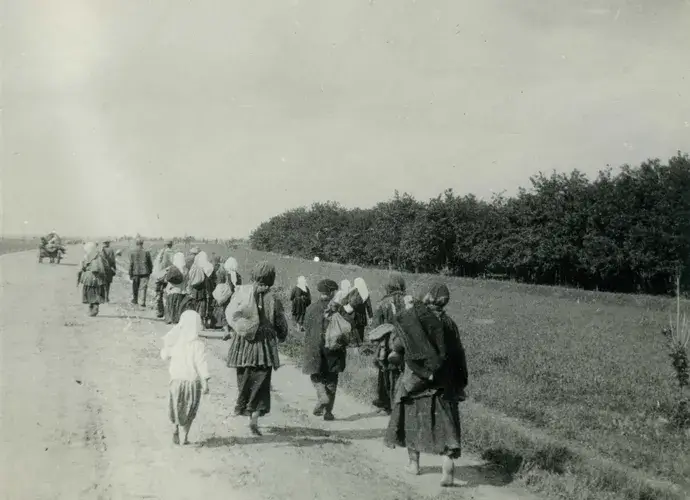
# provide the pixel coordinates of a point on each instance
(422, 370)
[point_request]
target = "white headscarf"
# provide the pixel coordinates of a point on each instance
(201, 261)
(302, 283)
(231, 267)
(162, 262)
(90, 252)
(345, 286)
(182, 334)
(361, 287)
(179, 261)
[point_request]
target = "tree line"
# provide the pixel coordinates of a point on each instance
(625, 232)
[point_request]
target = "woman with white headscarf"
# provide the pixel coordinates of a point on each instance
(301, 299)
(227, 275)
(188, 372)
(363, 312)
(176, 298)
(92, 276)
(199, 273)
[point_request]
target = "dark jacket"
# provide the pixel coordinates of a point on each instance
(315, 357)
(111, 267)
(140, 263)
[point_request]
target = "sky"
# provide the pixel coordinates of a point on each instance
(207, 117)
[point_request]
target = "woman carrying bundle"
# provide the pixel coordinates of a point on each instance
(197, 279)
(388, 372)
(92, 277)
(176, 301)
(227, 275)
(255, 356)
(426, 417)
(301, 299)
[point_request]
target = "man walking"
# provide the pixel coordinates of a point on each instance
(140, 268)
(110, 268)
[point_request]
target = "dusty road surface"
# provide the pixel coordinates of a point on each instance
(84, 415)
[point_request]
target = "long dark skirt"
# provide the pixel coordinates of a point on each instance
(429, 424)
(385, 388)
(299, 308)
(253, 390)
(218, 316)
(93, 294)
(176, 304)
(183, 401)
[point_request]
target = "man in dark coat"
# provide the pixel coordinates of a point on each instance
(140, 269)
(110, 268)
(322, 365)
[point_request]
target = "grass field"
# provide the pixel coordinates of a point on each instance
(9, 245)
(578, 383)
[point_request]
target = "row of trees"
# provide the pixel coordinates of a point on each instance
(628, 232)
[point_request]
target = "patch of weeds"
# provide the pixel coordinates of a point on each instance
(552, 458)
(509, 461)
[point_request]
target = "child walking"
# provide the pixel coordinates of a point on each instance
(188, 372)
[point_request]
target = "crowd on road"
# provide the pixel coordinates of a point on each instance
(422, 370)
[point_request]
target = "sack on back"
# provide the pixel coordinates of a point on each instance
(222, 293)
(242, 312)
(337, 332)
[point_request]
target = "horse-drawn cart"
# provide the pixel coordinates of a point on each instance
(50, 250)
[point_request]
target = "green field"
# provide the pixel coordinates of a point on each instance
(563, 378)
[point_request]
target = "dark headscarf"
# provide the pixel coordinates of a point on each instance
(437, 296)
(264, 273)
(327, 286)
(396, 283)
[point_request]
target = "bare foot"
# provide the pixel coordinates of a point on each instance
(254, 428)
(176, 437)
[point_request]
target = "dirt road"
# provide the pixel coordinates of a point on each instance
(83, 415)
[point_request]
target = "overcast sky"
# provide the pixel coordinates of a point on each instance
(208, 117)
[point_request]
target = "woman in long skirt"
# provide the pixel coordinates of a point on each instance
(255, 359)
(426, 417)
(92, 276)
(361, 303)
(301, 299)
(388, 373)
(188, 372)
(197, 280)
(226, 274)
(177, 301)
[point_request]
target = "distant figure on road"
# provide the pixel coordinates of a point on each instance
(256, 358)
(110, 268)
(301, 299)
(92, 269)
(361, 303)
(197, 284)
(388, 373)
(426, 417)
(188, 373)
(323, 365)
(161, 263)
(175, 279)
(140, 269)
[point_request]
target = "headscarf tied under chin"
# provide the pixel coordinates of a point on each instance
(90, 252)
(264, 273)
(437, 296)
(201, 261)
(302, 283)
(182, 334)
(396, 283)
(231, 267)
(361, 287)
(179, 262)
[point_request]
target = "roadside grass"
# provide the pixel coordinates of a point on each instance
(11, 245)
(570, 391)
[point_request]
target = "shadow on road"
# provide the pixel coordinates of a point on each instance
(362, 416)
(130, 316)
(295, 436)
(475, 475)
